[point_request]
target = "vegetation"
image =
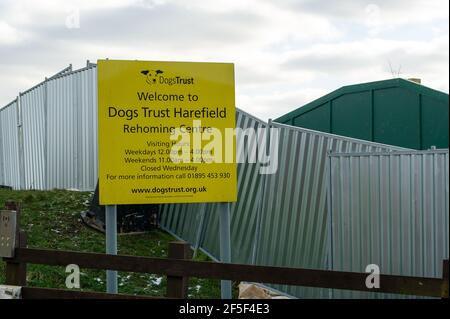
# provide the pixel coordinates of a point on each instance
(52, 220)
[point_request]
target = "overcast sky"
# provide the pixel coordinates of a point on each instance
(286, 52)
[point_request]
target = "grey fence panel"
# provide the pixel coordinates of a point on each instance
(52, 142)
(179, 218)
(199, 223)
(246, 212)
(87, 138)
(2, 164)
(61, 133)
(294, 225)
(10, 145)
(390, 210)
(72, 130)
(2, 152)
(287, 226)
(33, 111)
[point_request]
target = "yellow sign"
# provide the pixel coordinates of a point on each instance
(166, 132)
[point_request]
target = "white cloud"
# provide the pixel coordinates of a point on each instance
(9, 35)
(369, 60)
(286, 52)
(389, 12)
(274, 104)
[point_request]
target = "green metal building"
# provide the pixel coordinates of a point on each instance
(396, 112)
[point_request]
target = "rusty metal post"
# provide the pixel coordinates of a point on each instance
(177, 287)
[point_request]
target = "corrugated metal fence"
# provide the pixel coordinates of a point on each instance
(389, 209)
(48, 139)
(294, 214)
(9, 156)
(279, 219)
(49, 134)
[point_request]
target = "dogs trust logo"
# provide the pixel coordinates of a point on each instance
(151, 75)
(160, 77)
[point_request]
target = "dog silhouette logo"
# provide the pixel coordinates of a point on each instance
(151, 75)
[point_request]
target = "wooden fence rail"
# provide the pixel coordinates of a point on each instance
(50, 293)
(178, 269)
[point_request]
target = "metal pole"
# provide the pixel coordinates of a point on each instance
(111, 246)
(329, 218)
(20, 143)
(225, 246)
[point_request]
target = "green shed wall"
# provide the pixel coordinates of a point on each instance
(396, 112)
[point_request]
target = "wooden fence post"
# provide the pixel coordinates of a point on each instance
(177, 287)
(445, 279)
(16, 272)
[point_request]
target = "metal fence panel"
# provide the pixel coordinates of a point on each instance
(33, 118)
(61, 133)
(199, 223)
(294, 212)
(2, 165)
(10, 145)
(287, 226)
(52, 141)
(72, 130)
(87, 132)
(391, 210)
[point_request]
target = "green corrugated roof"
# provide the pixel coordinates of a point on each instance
(391, 83)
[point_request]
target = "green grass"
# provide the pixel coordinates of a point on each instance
(52, 220)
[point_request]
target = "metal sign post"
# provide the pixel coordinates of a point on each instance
(225, 246)
(111, 246)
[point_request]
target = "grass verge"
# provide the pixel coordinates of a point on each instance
(52, 220)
